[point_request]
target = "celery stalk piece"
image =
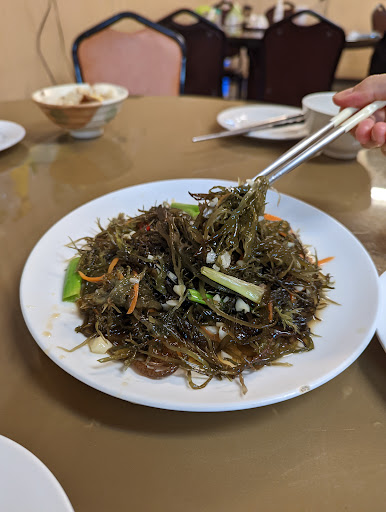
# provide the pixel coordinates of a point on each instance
(72, 282)
(192, 209)
(195, 296)
(251, 291)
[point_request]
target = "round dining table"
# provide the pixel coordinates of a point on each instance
(323, 450)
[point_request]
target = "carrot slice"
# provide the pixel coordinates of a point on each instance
(99, 278)
(90, 279)
(325, 260)
(270, 311)
(135, 296)
(268, 216)
(112, 265)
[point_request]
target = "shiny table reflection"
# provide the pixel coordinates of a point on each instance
(322, 451)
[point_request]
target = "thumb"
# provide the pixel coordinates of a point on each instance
(371, 89)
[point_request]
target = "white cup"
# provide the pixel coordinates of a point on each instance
(318, 108)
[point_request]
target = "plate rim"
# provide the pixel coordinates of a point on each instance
(258, 135)
(16, 139)
(42, 468)
(381, 323)
(193, 406)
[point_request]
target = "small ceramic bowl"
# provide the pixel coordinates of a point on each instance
(81, 109)
(318, 109)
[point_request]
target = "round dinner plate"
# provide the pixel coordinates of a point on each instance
(26, 484)
(381, 325)
(10, 134)
(346, 328)
(238, 117)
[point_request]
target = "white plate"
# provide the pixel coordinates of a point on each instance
(238, 117)
(381, 325)
(344, 333)
(26, 484)
(10, 134)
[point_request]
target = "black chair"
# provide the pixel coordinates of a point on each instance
(295, 60)
(205, 51)
(150, 61)
(378, 19)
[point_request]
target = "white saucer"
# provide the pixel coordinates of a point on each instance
(26, 484)
(238, 117)
(10, 134)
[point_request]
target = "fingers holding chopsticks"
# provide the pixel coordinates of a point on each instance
(371, 132)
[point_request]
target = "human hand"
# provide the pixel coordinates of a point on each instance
(371, 132)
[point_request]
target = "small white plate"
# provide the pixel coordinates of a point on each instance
(381, 329)
(26, 484)
(238, 117)
(344, 332)
(10, 134)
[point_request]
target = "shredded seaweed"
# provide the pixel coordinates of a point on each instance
(184, 320)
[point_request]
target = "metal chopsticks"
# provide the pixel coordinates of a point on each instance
(305, 149)
(268, 123)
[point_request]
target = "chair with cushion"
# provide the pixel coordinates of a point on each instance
(150, 61)
(295, 60)
(205, 51)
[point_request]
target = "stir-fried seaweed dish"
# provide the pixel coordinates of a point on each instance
(218, 288)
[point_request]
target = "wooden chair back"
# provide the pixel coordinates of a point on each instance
(378, 19)
(205, 51)
(295, 60)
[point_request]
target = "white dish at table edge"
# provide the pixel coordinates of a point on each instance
(26, 484)
(345, 329)
(238, 117)
(10, 134)
(381, 325)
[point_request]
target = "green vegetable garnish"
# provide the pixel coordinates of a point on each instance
(72, 282)
(249, 290)
(192, 209)
(195, 296)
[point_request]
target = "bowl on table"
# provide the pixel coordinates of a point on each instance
(318, 108)
(81, 109)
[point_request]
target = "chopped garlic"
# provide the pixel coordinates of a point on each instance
(150, 257)
(99, 345)
(179, 289)
(172, 302)
(172, 277)
(222, 332)
(211, 256)
(128, 236)
(215, 267)
(134, 280)
(212, 329)
(217, 298)
(242, 306)
(225, 259)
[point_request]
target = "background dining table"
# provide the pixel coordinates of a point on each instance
(324, 450)
(252, 39)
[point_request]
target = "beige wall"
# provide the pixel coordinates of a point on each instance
(22, 72)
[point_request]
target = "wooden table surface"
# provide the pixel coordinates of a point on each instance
(322, 451)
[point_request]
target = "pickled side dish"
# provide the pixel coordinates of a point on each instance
(218, 288)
